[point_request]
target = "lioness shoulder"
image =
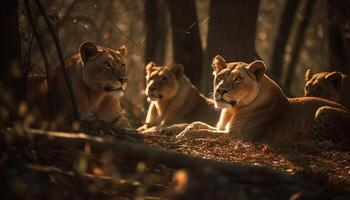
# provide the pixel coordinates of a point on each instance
(333, 86)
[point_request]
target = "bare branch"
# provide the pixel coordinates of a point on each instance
(42, 51)
(62, 61)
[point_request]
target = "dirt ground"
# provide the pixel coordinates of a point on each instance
(309, 171)
(329, 162)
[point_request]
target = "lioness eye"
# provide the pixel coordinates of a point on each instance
(109, 66)
(238, 79)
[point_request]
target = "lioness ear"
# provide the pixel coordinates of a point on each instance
(87, 50)
(122, 51)
(258, 68)
(150, 67)
(335, 79)
(218, 64)
(308, 75)
(177, 69)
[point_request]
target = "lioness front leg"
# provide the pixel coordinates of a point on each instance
(201, 133)
(151, 120)
(200, 130)
(173, 129)
(226, 116)
(168, 130)
(200, 125)
(111, 111)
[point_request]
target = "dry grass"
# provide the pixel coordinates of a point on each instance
(30, 172)
(322, 163)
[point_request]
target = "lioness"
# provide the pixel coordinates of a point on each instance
(334, 86)
(98, 79)
(174, 99)
(259, 110)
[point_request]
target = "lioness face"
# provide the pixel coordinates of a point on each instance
(325, 84)
(104, 69)
(162, 82)
(236, 84)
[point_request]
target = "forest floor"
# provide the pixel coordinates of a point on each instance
(40, 170)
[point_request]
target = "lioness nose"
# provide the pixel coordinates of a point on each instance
(122, 80)
(222, 91)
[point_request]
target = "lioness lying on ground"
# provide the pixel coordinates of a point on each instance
(259, 110)
(334, 86)
(173, 99)
(98, 79)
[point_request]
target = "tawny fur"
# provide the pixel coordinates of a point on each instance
(333, 86)
(98, 81)
(260, 112)
(174, 99)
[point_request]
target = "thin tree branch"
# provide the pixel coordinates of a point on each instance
(62, 61)
(42, 51)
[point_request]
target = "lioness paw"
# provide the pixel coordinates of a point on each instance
(149, 130)
(183, 134)
(142, 128)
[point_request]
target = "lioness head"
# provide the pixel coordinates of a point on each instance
(236, 84)
(325, 84)
(104, 69)
(162, 82)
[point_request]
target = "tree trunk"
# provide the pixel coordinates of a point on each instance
(187, 48)
(231, 33)
(285, 26)
(12, 79)
(156, 31)
(299, 41)
(339, 19)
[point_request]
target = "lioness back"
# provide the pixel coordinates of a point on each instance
(333, 86)
(174, 99)
(297, 121)
(98, 80)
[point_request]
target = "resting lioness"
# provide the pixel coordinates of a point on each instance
(334, 86)
(259, 110)
(98, 79)
(173, 99)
